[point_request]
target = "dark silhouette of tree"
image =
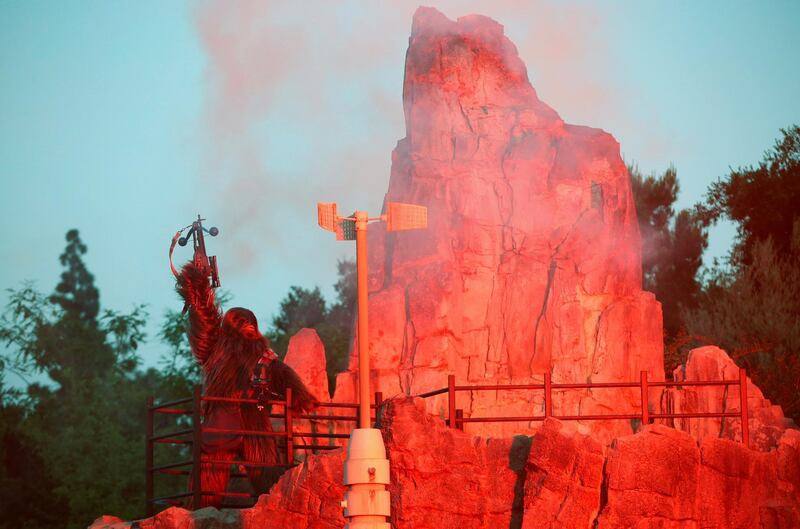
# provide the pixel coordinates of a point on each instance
(81, 430)
(336, 333)
(672, 246)
(76, 293)
(750, 304)
(763, 201)
(307, 308)
(300, 308)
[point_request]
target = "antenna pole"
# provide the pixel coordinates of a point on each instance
(363, 325)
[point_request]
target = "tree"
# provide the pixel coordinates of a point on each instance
(300, 308)
(672, 246)
(82, 431)
(750, 303)
(307, 308)
(763, 200)
(336, 334)
(76, 293)
(24, 476)
(751, 311)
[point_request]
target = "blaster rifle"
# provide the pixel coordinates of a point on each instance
(200, 258)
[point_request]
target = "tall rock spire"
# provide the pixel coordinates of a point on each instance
(531, 261)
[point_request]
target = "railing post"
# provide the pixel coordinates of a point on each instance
(148, 461)
(645, 398)
(743, 406)
(289, 432)
(459, 421)
(548, 395)
(378, 402)
(197, 434)
(451, 400)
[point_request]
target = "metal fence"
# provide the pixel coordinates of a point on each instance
(455, 417)
(188, 433)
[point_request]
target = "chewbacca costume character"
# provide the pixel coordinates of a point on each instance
(228, 348)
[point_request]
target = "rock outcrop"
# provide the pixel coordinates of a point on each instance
(661, 478)
(306, 355)
(766, 420)
(531, 262)
(447, 479)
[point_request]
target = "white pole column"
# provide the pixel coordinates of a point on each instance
(366, 470)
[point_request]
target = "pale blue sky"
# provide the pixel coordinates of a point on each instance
(106, 112)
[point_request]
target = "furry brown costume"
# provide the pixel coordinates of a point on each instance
(228, 348)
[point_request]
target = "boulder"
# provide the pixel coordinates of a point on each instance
(430, 462)
(563, 479)
(306, 355)
(306, 497)
(109, 522)
(766, 420)
(651, 478)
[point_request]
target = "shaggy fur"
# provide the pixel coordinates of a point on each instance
(228, 348)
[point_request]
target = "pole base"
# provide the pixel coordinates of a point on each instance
(366, 501)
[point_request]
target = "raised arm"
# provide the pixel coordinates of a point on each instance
(205, 316)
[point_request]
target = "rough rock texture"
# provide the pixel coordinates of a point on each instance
(766, 420)
(660, 478)
(306, 355)
(430, 462)
(563, 478)
(531, 261)
(443, 479)
(306, 497)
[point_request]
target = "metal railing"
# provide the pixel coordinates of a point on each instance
(455, 417)
(188, 436)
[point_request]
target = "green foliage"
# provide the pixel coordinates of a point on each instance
(300, 308)
(672, 245)
(76, 293)
(80, 433)
(763, 201)
(179, 369)
(750, 305)
(307, 308)
(752, 312)
(72, 442)
(25, 479)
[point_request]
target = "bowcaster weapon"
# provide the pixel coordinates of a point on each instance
(262, 385)
(201, 258)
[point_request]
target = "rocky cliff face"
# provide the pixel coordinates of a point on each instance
(443, 478)
(531, 261)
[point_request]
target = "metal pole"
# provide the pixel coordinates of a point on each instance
(451, 400)
(548, 395)
(645, 398)
(363, 326)
(743, 406)
(196, 437)
(148, 461)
